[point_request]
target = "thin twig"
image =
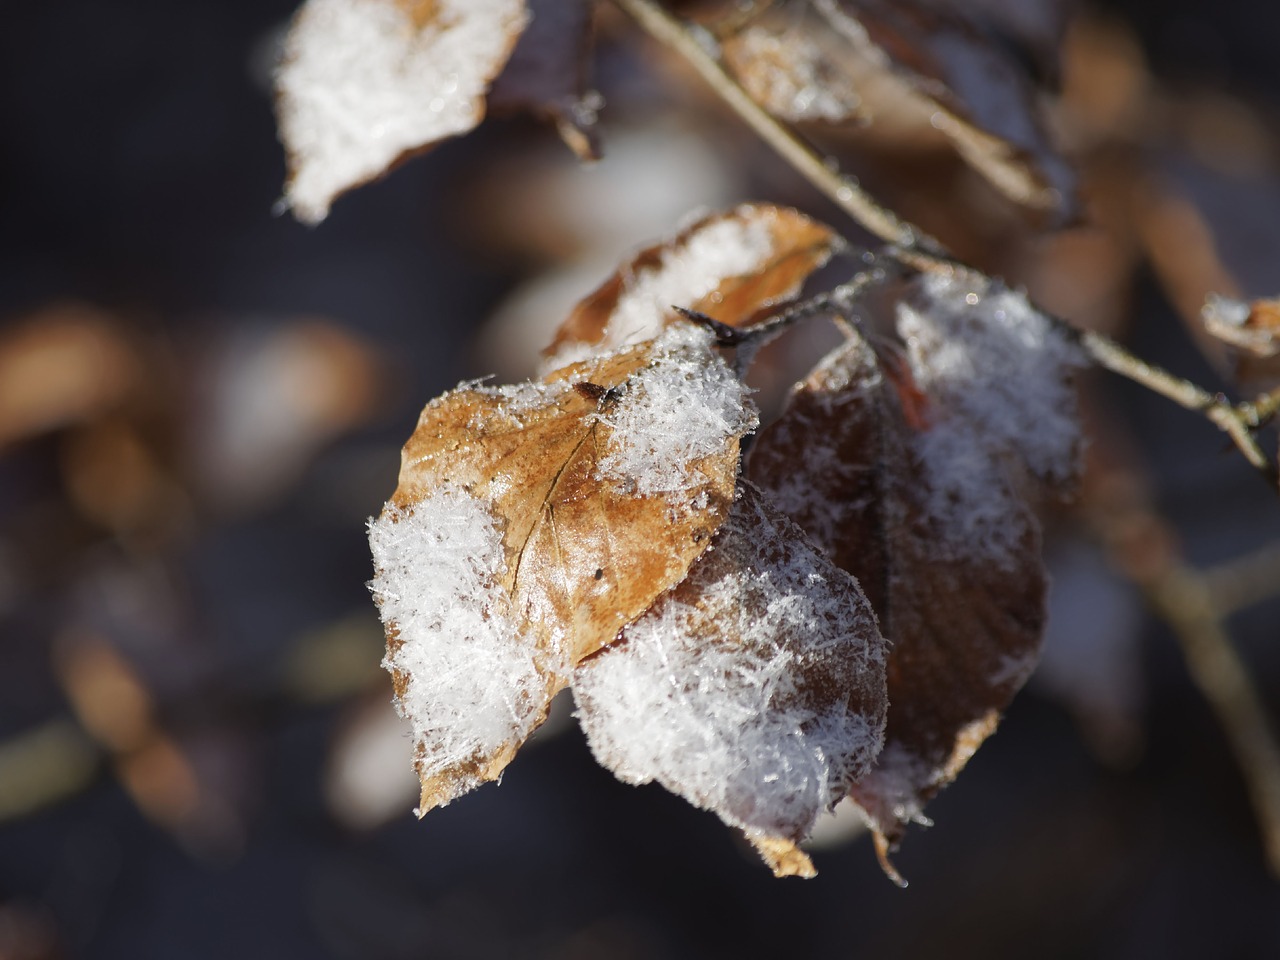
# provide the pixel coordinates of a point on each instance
(1143, 546)
(915, 247)
(1244, 581)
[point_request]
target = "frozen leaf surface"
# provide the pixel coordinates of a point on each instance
(531, 524)
(731, 265)
(899, 469)
(754, 689)
(364, 83)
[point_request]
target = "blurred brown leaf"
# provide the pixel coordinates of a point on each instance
(571, 504)
(931, 64)
(62, 365)
(548, 73)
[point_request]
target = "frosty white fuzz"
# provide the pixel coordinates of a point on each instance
(801, 86)
(732, 690)
(685, 405)
(724, 248)
(985, 355)
(471, 687)
(364, 81)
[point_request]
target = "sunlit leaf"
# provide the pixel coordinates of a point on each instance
(531, 524)
(730, 265)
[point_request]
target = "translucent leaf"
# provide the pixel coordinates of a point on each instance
(531, 524)
(364, 83)
(754, 689)
(731, 265)
(899, 469)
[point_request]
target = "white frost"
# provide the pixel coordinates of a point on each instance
(364, 81)
(737, 244)
(471, 686)
(685, 405)
(706, 693)
(987, 356)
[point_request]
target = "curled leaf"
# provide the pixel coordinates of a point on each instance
(364, 83)
(754, 689)
(731, 265)
(531, 524)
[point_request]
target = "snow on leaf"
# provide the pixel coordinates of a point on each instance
(754, 689)
(364, 83)
(922, 513)
(731, 265)
(853, 62)
(996, 364)
(527, 529)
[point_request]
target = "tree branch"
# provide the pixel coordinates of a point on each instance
(916, 248)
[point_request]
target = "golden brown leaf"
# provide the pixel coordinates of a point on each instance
(759, 681)
(730, 265)
(531, 524)
(958, 586)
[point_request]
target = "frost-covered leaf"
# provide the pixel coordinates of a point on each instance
(364, 83)
(532, 523)
(930, 63)
(731, 265)
(898, 468)
(548, 73)
(754, 689)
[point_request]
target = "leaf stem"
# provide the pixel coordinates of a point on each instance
(918, 249)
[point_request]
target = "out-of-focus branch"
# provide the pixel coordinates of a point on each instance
(918, 249)
(1142, 545)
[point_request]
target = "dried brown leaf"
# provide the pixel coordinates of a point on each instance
(759, 681)
(548, 73)
(853, 62)
(731, 265)
(958, 586)
(531, 524)
(365, 83)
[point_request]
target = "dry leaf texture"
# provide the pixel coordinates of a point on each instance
(754, 689)
(854, 61)
(731, 265)
(531, 524)
(899, 469)
(363, 83)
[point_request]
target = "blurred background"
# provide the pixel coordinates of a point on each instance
(201, 401)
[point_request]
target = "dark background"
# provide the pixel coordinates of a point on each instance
(138, 171)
